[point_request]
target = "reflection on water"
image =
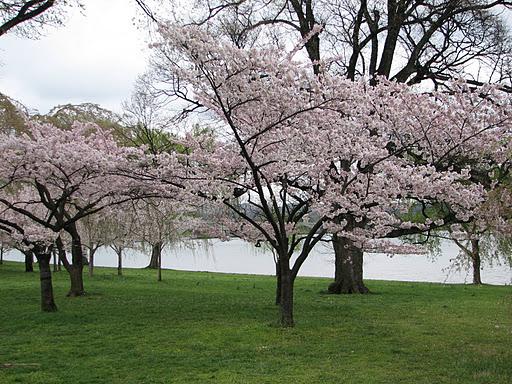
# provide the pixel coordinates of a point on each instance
(238, 256)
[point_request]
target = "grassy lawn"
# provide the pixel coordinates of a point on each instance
(219, 328)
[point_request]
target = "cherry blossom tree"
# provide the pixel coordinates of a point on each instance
(27, 235)
(93, 231)
(313, 155)
(487, 237)
(120, 233)
(431, 43)
(160, 222)
(5, 246)
(72, 174)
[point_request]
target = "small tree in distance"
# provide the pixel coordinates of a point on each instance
(68, 175)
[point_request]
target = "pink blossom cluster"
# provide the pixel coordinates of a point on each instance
(352, 154)
(296, 156)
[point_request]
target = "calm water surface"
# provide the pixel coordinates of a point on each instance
(238, 256)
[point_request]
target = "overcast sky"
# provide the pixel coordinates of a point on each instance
(95, 57)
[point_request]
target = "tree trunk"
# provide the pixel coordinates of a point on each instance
(1, 255)
(119, 252)
(156, 251)
(45, 276)
(278, 284)
(160, 265)
(475, 258)
(348, 275)
(75, 269)
(92, 251)
(77, 282)
(286, 288)
(55, 261)
(29, 261)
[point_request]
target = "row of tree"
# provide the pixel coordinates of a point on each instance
(303, 157)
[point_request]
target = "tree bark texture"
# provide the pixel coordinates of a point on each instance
(119, 252)
(348, 275)
(278, 284)
(476, 261)
(75, 268)
(286, 290)
(29, 261)
(92, 251)
(45, 277)
(156, 252)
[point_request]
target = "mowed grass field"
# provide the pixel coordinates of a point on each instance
(219, 328)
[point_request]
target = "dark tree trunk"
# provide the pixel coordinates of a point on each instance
(306, 19)
(92, 251)
(1, 255)
(76, 267)
(475, 258)
(55, 260)
(278, 284)
(286, 290)
(156, 254)
(119, 252)
(160, 265)
(348, 275)
(77, 281)
(45, 276)
(29, 261)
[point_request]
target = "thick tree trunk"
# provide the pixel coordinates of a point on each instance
(29, 261)
(45, 276)
(348, 275)
(77, 282)
(75, 269)
(156, 254)
(475, 258)
(119, 252)
(286, 288)
(1, 255)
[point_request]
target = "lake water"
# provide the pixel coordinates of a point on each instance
(238, 256)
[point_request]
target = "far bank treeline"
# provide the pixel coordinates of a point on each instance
(341, 147)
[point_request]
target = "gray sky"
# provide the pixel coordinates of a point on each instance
(95, 57)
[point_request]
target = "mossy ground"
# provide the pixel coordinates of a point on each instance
(217, 328)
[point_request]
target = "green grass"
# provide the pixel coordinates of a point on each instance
(219, 328)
